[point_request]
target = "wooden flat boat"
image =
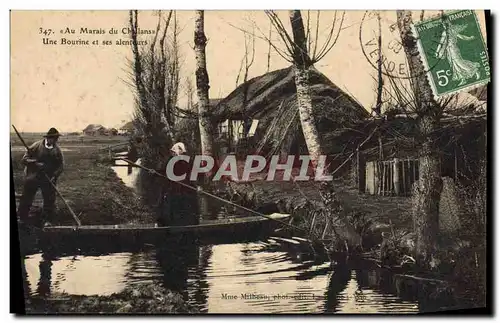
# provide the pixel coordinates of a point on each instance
(228, 224)
(96, 236)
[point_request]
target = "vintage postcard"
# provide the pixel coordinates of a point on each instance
(242, 162)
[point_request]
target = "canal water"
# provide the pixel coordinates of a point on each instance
(254, 277)
(264, 276)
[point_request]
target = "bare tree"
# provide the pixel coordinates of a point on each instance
(189, 92)
(246, 63)
(202, 85)
(380, 80)
(428, 191)
(269, 48)
(172, 87)
(301, 49)
(155, 71)
(248, 56)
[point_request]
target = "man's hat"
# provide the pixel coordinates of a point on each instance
(52, 133)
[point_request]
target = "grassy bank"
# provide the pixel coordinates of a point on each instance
(369, 216)
(141, 299)
(91, 188)
(69, 139)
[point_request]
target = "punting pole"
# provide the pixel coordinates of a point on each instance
(216, 197)
(75, 217)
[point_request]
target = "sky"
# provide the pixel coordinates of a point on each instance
(69, 87)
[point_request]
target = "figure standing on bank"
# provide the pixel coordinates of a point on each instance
(43, 162)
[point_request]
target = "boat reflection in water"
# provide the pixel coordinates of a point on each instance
(268, 276)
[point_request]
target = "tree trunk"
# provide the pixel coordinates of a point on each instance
(428, 191)
(307, 121)
(380, 81)
(303, 64)
(202, 86)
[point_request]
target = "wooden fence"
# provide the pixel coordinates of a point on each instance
(391, 177)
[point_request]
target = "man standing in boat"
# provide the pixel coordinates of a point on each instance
(179, 204)
(43, 162)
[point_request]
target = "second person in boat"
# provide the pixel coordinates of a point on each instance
(178, 204)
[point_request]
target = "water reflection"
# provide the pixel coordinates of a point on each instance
(174, 263)
(77, 275)
(128, 174)
(44, 283)
(339, 279)
(254, 277)
(26, 283)
(199, 288)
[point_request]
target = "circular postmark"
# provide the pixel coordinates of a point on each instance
(381, 44)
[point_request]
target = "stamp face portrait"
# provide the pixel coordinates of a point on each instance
(454, 52)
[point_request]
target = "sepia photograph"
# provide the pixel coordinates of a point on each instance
(249, 161)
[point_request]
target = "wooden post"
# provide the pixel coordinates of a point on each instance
(230, 135)
(379, 177)
(324, 231)
(361, 176)
(312, 223)
(396, 177)
(383, 178)
(380, 148)
(371, 178)
(358, 173)
(391, 178)
(414, 163)
(404, 177)
(387, 177)
(456, 162)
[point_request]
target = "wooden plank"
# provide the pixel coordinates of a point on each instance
(312, 222)
(414, 172)
(324, 231)
(290, 241)
(371, 178)
(361, 171)
(404, 176)
(383, 179)
(456, 162)
(389, 178)
(379, 178)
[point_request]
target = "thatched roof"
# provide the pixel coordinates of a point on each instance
(261, 96)
(93, 127)
(212, 104)
(129, 126)
(272, 99)
(481, 92)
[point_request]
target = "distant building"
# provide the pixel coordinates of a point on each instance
(127, 129)
(95, 130)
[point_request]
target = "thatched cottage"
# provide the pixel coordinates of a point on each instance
(263, 112)
(127, 129)
(94, 130)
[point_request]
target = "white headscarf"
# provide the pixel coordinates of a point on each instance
(179, 148)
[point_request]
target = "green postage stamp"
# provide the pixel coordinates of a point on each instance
(453, 52)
